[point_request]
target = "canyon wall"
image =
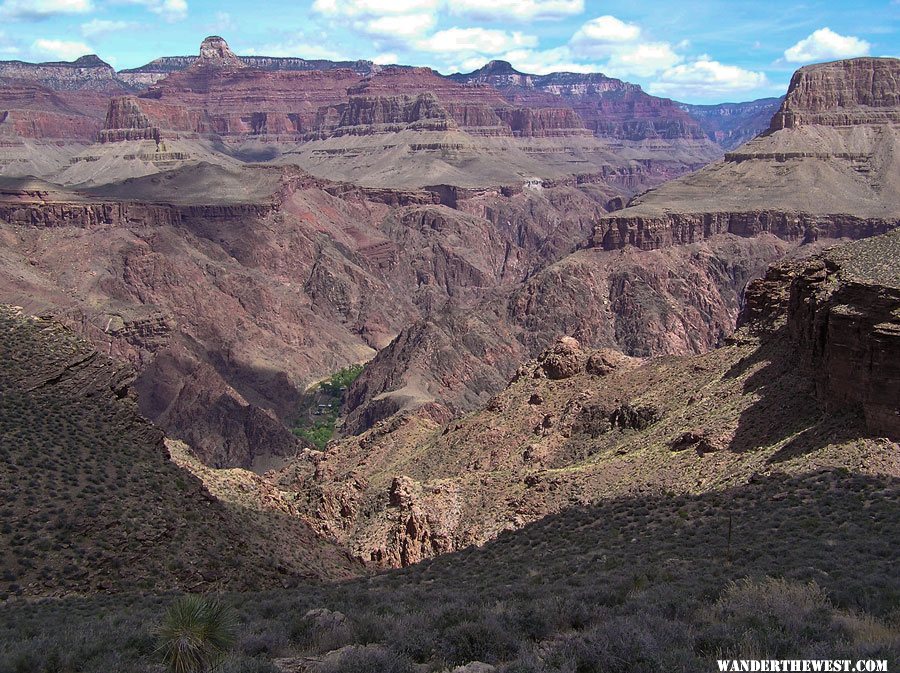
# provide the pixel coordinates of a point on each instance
(842, 310)
(653, 233)
(842, 93)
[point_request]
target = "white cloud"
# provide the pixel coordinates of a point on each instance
(705, 79)
(534, 61)
(41, 9)
(62, 49)
(516, 10)
(221, 23)
(598, 37)
(607, 37)
(642, 60)
(544, 61)
(387, 58)
(101, 27)
(478, 40)
(506, 10)
(374, 7)
(308, 50)
(825, 44)
(170, 10)
(398, 27)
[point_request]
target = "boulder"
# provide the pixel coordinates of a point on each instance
(562, 360)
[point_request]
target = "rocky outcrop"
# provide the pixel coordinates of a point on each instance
(86, 73)
(842, 93)
(561, 361)
(125, 120)
(845, 313)
(653, 233)
(215, 53)
(842, 310)
(606, 106)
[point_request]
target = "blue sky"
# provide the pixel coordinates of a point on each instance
(693, 51)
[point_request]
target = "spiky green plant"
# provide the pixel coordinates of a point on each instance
(196, 634)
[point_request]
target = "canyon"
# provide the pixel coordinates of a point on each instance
(488, 128)
(564, 291)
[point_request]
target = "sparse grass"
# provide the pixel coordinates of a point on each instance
(610, 587)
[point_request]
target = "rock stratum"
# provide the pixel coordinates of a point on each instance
(792, 391)
(488, 128)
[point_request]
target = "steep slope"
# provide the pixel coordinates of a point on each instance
(231, 290)
(91, 502)
(783, 396)
(805, 184)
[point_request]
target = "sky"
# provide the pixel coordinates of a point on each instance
(694, 51)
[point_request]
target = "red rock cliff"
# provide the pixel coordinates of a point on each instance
(843, 312)
(842, 93)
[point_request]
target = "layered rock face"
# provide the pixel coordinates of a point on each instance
(653, 233)
(221, 95)
(606, 106)
(842, 93)
(843, 312)
(56, 101)
(364, 115)
(86, 73)
(161, 68)
(29, 110)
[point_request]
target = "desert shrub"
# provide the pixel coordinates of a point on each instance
(413, 635)
(245, 665)
(366, 660)
(269, 641)
(485, 639)
(640, 643)
(313, 633)
(771, 618)
(195, 635)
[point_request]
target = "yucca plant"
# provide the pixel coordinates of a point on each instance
(196, 634)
